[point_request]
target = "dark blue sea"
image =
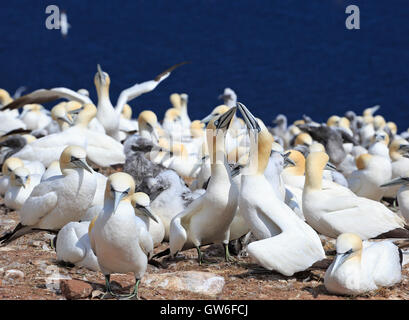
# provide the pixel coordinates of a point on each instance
(294, 57)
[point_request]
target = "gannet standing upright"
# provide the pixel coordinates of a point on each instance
(360, 267)
(281, 233)
(207, 219)
(118, 237)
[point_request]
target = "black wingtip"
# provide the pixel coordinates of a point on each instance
(169, 70)
(162, 253)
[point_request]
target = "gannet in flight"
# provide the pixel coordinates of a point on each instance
(64, 25)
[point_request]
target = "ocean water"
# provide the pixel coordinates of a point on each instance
(294, 57)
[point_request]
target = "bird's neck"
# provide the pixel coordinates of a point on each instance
(313, 177)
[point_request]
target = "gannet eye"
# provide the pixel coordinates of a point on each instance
(216, 123)
(74, 159)
(126, 191)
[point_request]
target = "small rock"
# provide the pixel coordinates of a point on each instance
(205, 283)
(34, 243)
(75, 289)
(12, 275)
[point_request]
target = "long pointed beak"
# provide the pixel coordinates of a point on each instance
(117, 199)
(207, 118)
(374, 109)
(22, 181)
(225, 119)
(396, 181)
(66, 120)
(404, 147)
(339, 259)
(249, 119)
(330, 166)
(81, 163)
(147, 212)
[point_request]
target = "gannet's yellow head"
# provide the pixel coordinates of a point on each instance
(299, 168)
(179, 150)
(33, 107)
(147, 118)
(317, 147)
(29, 138)
(141, 201)
(20, 177)
(345, 123)
(172, 115)
(5, 98)
(363, 160)
(175, 100)
(392, 127)
(349, 248)
(215, 133)
(295, 130)
(101, 79)
(298, 122)
(379, 122)
(218, 111)
(397, 148)
(119, 186)
(60, 114)
(333, 121)
(72, 105)
(10, 164)
(127, 112)
(304, 139)
(87, 113)
(370, 111)
(315, 164)
(197, 129)
(380, 136)
(74, 157)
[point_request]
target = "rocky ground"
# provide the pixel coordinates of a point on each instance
(29, 270)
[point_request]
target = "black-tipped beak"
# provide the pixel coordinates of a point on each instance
(147, 212)
(81, 163)
(249, 119)
(396, 181)
(330, 166)
(223, 122)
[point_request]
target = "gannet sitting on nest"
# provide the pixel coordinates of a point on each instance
(336, 209)
(361, 267)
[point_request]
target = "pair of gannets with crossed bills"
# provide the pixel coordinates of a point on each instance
(207, 219)
(332, 210)
(60, 199)
(360, 267)
(118, 237)
(281, 234)
(107, 115)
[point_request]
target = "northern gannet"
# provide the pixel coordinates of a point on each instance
(20, 187)
(118, 237)
(281, 233)
(107, 114)
(195, 226)
(60, 199)
(8, 166)
(361, 267)
(73, 246)
(335, 209)
(229, 97)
